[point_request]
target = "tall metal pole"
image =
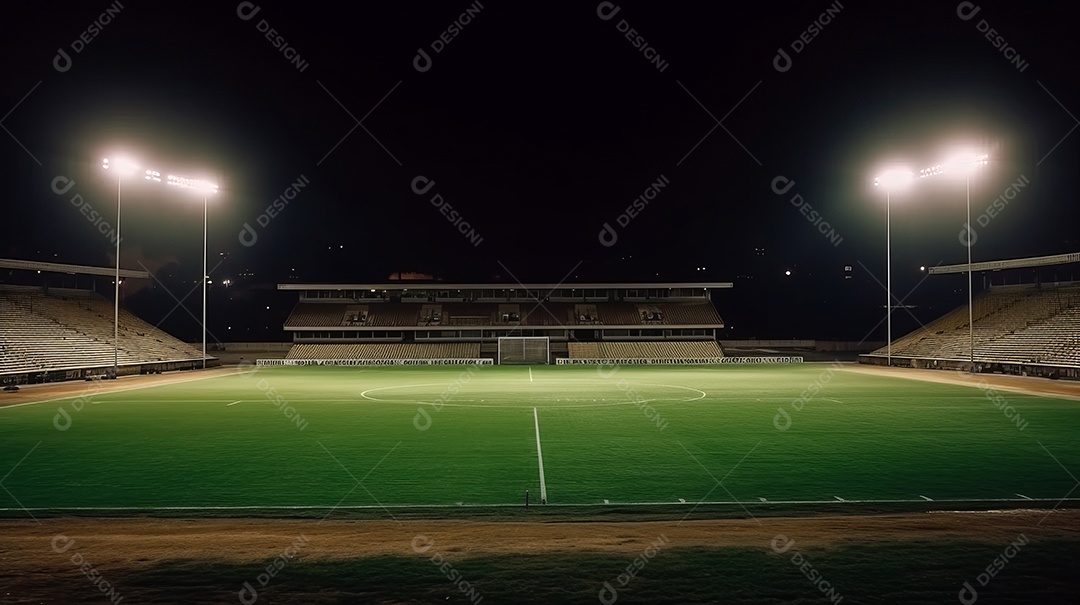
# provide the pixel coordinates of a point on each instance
(971, 313)
(116, 293)
(888, 273)
(204, 281)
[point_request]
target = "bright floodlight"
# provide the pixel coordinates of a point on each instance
(200, 185)
(968, 162)
(122, 166)
(960, 164)
(894, 178)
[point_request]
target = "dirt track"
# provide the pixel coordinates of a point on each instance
(28, 546)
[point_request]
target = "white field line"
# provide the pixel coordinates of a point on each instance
(234, 403)
(925, 498)
(540, 458)
(516, 505)
(530, 375)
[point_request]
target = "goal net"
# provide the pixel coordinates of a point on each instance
(524, 349)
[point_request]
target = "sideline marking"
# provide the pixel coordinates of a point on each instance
(1048, 501)
(540, 458)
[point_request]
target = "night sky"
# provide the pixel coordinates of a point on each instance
(538, 123)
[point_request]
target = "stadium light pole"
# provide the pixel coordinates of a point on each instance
(206, 188)
(121, 168)
(967, 164)
(895, 178)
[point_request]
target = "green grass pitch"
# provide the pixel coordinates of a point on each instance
(352, 437)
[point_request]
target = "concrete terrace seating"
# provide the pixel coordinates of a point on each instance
(1019, 324)
(441, 350)
(689, 314)
(41, 332)
(618, 314)
(641, 350)
(317, 315)
(393, 314)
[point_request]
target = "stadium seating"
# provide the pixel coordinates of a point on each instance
(643, 350)
(689, 314)
(317, 315)
(618, 314)
(40, 332)
(1012, 324)
(441, 350)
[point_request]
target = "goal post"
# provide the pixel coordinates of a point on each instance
(524, 349)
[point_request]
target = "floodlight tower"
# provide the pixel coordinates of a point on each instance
(206, 188)
(122, 168)
(966, 164)
(896, 178)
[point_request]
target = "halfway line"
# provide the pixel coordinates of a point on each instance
(540, 458)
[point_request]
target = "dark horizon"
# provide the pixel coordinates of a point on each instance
(537, 127)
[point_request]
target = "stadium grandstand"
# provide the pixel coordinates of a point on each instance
(1031, 329)
(49, 334)
(425, 321)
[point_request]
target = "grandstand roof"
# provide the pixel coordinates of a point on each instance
(29, 265)
(1016, 263)
(508, 286)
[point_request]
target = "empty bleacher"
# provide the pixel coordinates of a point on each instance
(393, 314)
(442, 350)
(51, 332)
(317, 315)
(689, 314)
(1012, 324)
(644, 350)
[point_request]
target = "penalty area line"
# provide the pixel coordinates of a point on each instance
(540, 459)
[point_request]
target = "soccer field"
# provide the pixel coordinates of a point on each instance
(390, 437)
